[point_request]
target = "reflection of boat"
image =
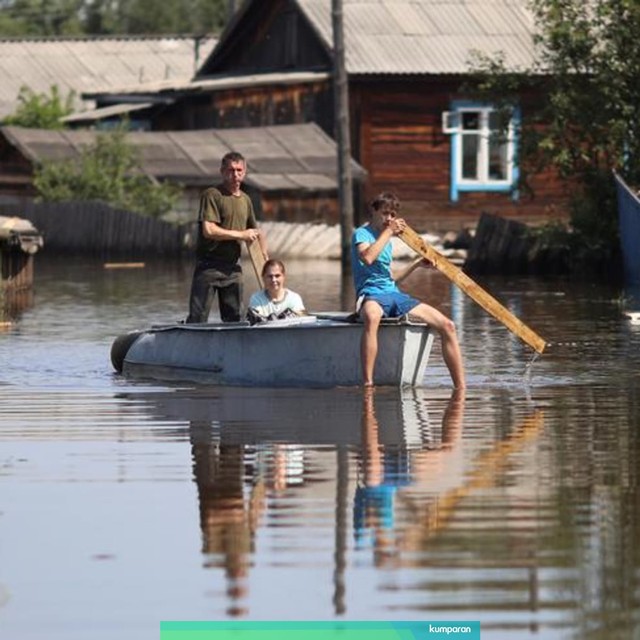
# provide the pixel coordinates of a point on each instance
(321, 417)
(629, 224)
(304, 352)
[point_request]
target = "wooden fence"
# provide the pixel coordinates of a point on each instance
(94, 228)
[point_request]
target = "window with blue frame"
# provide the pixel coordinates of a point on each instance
(483, 149)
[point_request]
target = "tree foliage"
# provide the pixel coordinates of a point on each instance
(109, 170)
(112, 17)
(587, 118)
(41, 110)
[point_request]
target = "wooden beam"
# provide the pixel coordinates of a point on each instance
(472, 289)
(257, 260)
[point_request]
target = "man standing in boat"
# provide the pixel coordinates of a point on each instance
(225, 219)
(379, 296)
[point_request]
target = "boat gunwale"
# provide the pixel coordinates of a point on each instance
(318, 322)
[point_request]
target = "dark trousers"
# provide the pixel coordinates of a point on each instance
(209, 279)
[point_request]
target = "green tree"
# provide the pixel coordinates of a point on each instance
(41, 111)
(112, 17)
(42, 17)
(587, 118)
(108, 170)
(171, 16)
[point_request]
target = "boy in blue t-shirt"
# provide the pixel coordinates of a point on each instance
(380, 297)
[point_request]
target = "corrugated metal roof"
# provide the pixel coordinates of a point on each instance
(279, 157)
(83, 65)
(426, 36)
(391, 37)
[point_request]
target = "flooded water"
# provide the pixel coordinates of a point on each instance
(125, 503)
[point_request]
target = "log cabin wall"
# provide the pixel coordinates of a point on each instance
(253, 107)
(398, 138)
(295, 207)
(16, 175)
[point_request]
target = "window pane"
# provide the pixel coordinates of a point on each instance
(470, 144)
(498, 154)
(470, 120)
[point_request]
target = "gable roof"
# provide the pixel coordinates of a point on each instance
(86, 64)
(382, 37)
(284, 157)
(426, 36)
(406, 36)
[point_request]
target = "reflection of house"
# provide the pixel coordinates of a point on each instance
(292, 169)
(413, 129)
(86, 64)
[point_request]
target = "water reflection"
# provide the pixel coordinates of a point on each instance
(383, 471)
(14, 303)
(518, 507)
(242, 474)
(228, 517)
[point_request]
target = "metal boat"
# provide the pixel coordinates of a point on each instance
(310, 351)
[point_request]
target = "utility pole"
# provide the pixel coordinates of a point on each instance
(231, 9)
(343, 135)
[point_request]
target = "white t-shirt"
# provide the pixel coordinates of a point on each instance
(263, 305)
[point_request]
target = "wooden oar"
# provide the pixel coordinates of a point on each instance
(472, 289)
(257, 260)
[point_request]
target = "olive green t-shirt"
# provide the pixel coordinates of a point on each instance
(230, 212)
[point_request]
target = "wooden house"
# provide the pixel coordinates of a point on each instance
(413, 128)
(76, 65)
(291, 168)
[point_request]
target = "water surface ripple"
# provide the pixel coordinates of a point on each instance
(126, 503)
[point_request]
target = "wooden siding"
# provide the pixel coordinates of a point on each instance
(16, 281)
(253, 107)
(275, 36)
(403, 148)
(311, 208)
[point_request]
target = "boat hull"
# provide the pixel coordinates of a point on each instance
(319, 353)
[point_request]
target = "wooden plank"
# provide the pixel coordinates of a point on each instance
(123, 265)
(257, 260)
(472, 289)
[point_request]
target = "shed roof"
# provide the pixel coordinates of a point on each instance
(284, 157)
(218, 83)
(85, 64)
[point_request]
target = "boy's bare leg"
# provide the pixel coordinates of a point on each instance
(371, 313)
(449, 340)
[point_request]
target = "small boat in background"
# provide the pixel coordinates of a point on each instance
(310, 351)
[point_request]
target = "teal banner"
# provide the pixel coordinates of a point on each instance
(423, 630)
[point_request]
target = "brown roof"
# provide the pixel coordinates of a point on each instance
(285, 157)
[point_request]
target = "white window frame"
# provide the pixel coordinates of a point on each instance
(452, 124)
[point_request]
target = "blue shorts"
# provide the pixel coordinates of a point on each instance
(394, 304)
